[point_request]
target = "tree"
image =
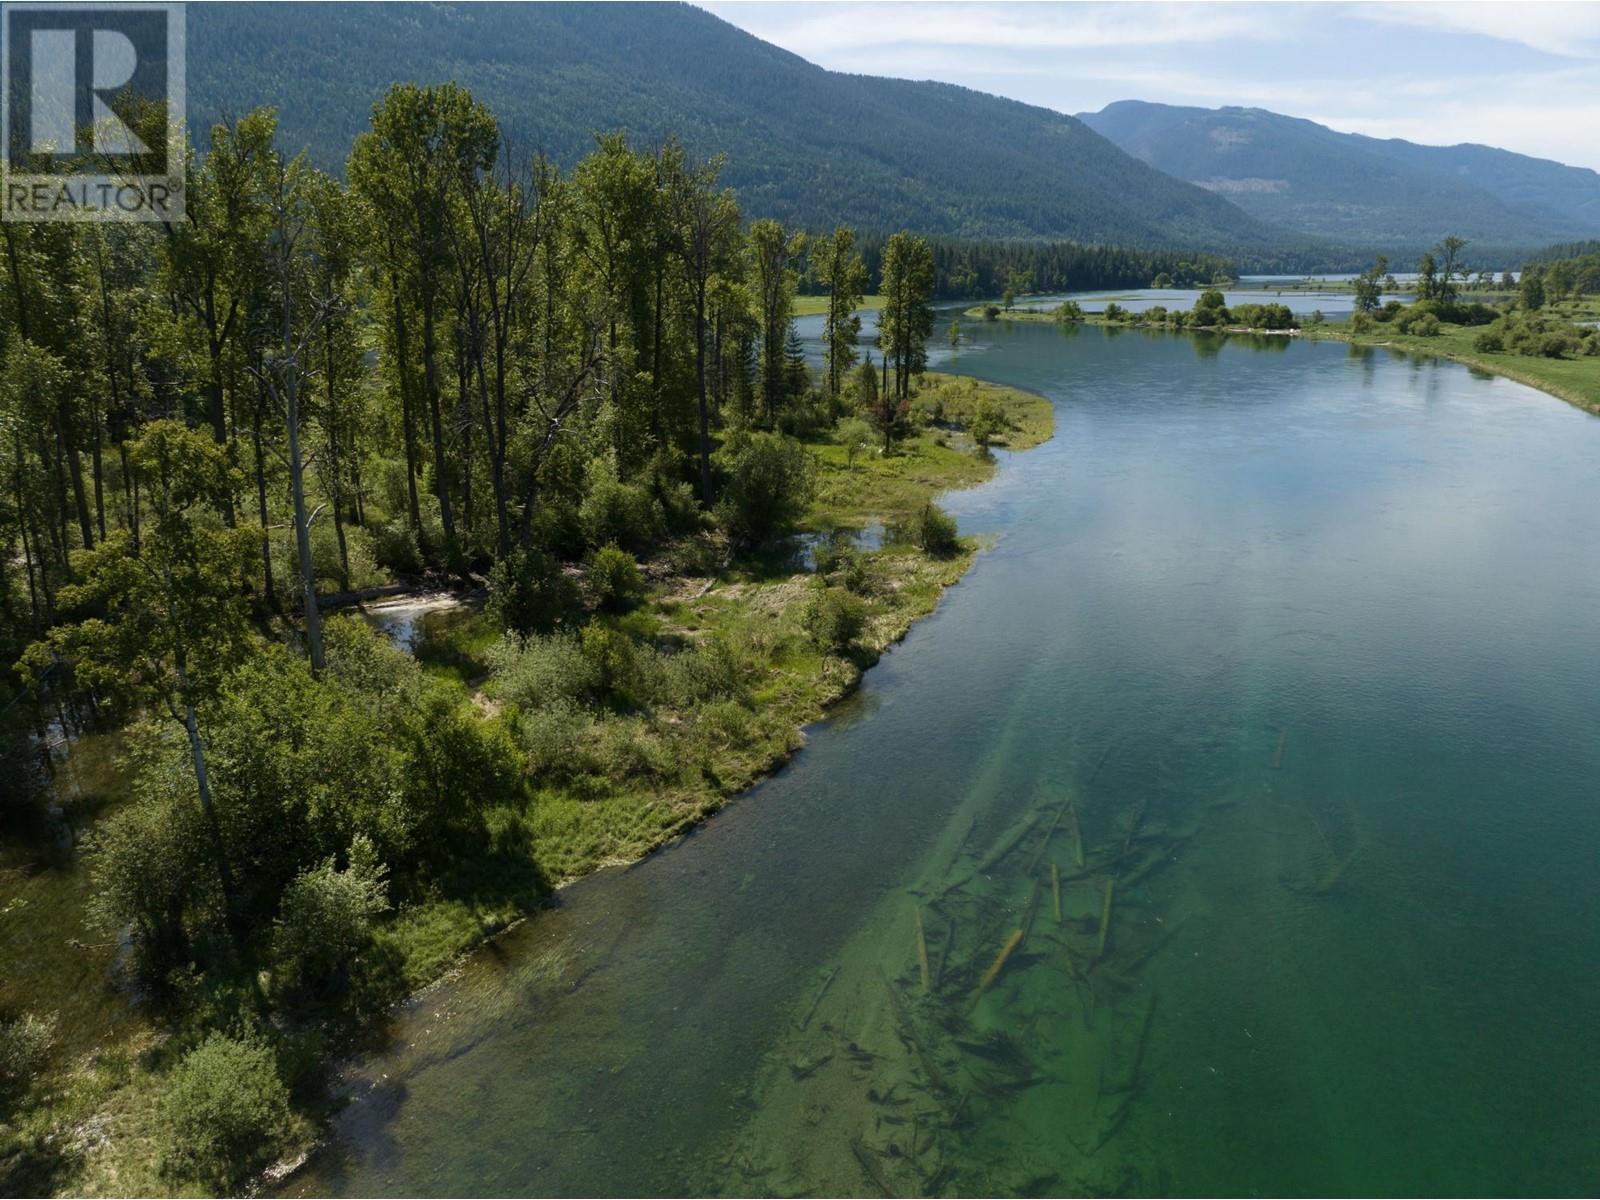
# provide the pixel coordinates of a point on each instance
(840, 269)
(773, 254)
(162, 627)
(954, 338)
(906, 320)
(1449, 249)
(706, 225)
(1531, 289)
(422, 141)
(1368, 286)
(1428, 278)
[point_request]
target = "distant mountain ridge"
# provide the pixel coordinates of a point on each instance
(1306, 177)
(809, 146)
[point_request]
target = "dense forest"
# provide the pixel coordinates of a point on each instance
(465, 365)
(806, 146)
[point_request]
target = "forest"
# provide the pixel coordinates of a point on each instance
(464, 369)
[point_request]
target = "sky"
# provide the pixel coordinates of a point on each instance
(1523, 76)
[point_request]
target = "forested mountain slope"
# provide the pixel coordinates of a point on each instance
(805, 145)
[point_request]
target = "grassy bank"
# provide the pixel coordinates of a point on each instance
(811, 306)
(91, 1124)
(766, 605)
(1575, 379)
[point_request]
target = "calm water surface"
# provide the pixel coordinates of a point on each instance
(1305, 637)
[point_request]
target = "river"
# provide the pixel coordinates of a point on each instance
(1291, 641)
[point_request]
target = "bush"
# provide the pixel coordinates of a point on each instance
(988, 423)
(394, 546)
(837, 560)
(613, 578)
(620, 513)
(1068, 311)
(325, 920)
(855, 435)
(1425, 326)
(1360, 323)
(625, 671)
(935, 532)
(529, 592)
(1115, 312)
(224, 1113)
(709, 671)
(834, 618)
(1489, 341)
(991, 312)
(769, 484)
(25, 1043)
(1557, 345)
(551, 738)
(543, 670)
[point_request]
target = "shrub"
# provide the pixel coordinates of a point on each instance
(991, 312)
(1068, 311)
(769, 484)
(1489, 341)
(325, 919)
(834, 618)
(709, 671)
(1425, 326)
(613, 578)
(1557, 345)
(529, 592)
(25, 1043)
(540, 671)
(394, 546)
(856, 435)
(551, 738)
(1115, 312)
(839, 561)
(988, 423)
(1360, 323)
(624, 670)
(935, 532)
(224, 1113)
(620, 513)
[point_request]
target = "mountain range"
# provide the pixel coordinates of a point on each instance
(815, 147)
(1305, 177)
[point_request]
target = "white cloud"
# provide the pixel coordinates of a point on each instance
(834, 29)
(1570, 29)
(1525, 76)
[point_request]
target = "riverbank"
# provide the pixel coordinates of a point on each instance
(1575, 380)
(90, 1124)
(813, 306)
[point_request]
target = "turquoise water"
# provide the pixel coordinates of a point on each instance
(1296, 643)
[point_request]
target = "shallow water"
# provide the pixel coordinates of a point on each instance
(1303, 634)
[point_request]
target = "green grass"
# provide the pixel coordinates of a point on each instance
(811, 306)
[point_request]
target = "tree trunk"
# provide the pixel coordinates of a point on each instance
(430, 376)
(407, 416)
(261, 504)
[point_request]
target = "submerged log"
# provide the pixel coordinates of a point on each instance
(1105, 917)
(817, 999)
(999, 963)
(922, 950)
(1055, 889)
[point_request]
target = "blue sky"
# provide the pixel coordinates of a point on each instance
(1525, 76)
